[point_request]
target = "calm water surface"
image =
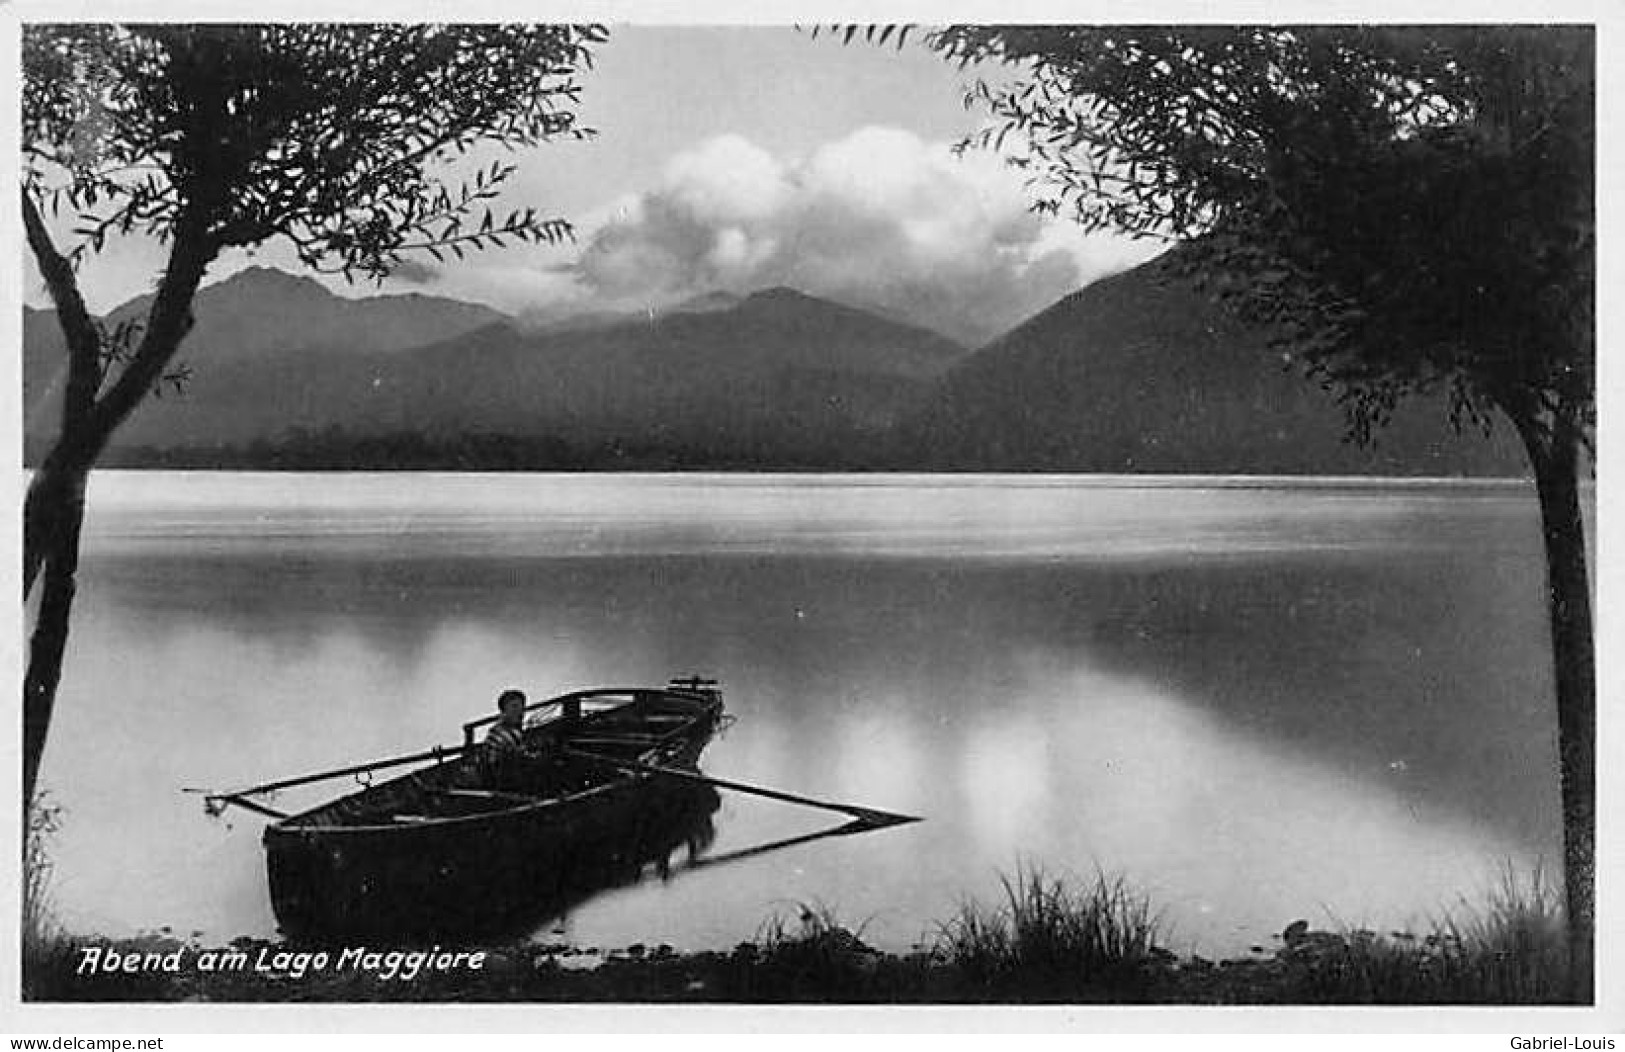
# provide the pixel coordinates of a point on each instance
(1257, 700)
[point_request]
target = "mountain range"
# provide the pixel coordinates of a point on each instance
(1133, 373)
(773, 376)
(1141, 373)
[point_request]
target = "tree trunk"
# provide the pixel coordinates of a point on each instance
(39, 513)
(1555, 458)
(45, 503)
(54, 508)
(57, 497)
(48, 505)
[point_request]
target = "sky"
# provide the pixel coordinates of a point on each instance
(739, 158)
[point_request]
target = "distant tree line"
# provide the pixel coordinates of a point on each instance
(335, 449)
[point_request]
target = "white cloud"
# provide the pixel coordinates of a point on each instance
(506, 286)
(726, 180)
(880, 218)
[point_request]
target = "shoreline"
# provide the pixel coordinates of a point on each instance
(1501, 959)
(1045, 940)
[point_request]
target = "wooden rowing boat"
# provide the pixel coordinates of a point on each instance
(443, 850)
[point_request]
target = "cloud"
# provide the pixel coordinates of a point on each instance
(414, 272)
(518, 285)
(879, 218)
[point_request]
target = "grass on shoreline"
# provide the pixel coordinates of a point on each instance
(1510, 949)
(38, 920)
(1052, 938)
(1049, 940)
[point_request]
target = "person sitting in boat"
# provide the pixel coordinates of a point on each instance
(509, 765)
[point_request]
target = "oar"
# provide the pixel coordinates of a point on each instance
(215, 803)
(235, 796)
(867, 815)
(857, 825)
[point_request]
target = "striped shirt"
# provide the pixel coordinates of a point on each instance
(503, 756)
(505, 740)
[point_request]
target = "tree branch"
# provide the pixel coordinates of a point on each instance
(168, 321)
(78, 328)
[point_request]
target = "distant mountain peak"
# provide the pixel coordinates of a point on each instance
(780, 294)
(266, 281)
(261, 275)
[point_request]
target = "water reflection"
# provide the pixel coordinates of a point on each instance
(1259, 704)
(1005, 782)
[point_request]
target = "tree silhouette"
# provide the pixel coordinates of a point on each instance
(1405, 210)
(342, 141)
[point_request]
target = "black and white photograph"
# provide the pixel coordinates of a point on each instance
(1021, 512)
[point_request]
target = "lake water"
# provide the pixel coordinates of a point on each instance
(1257, 700)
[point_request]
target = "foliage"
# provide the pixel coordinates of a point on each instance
(340, 140)
(1054, 939)
(1404, 208)
(814, 957)
(1518, 936)
(1509, 950)
(39, 925)
(332, 137)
